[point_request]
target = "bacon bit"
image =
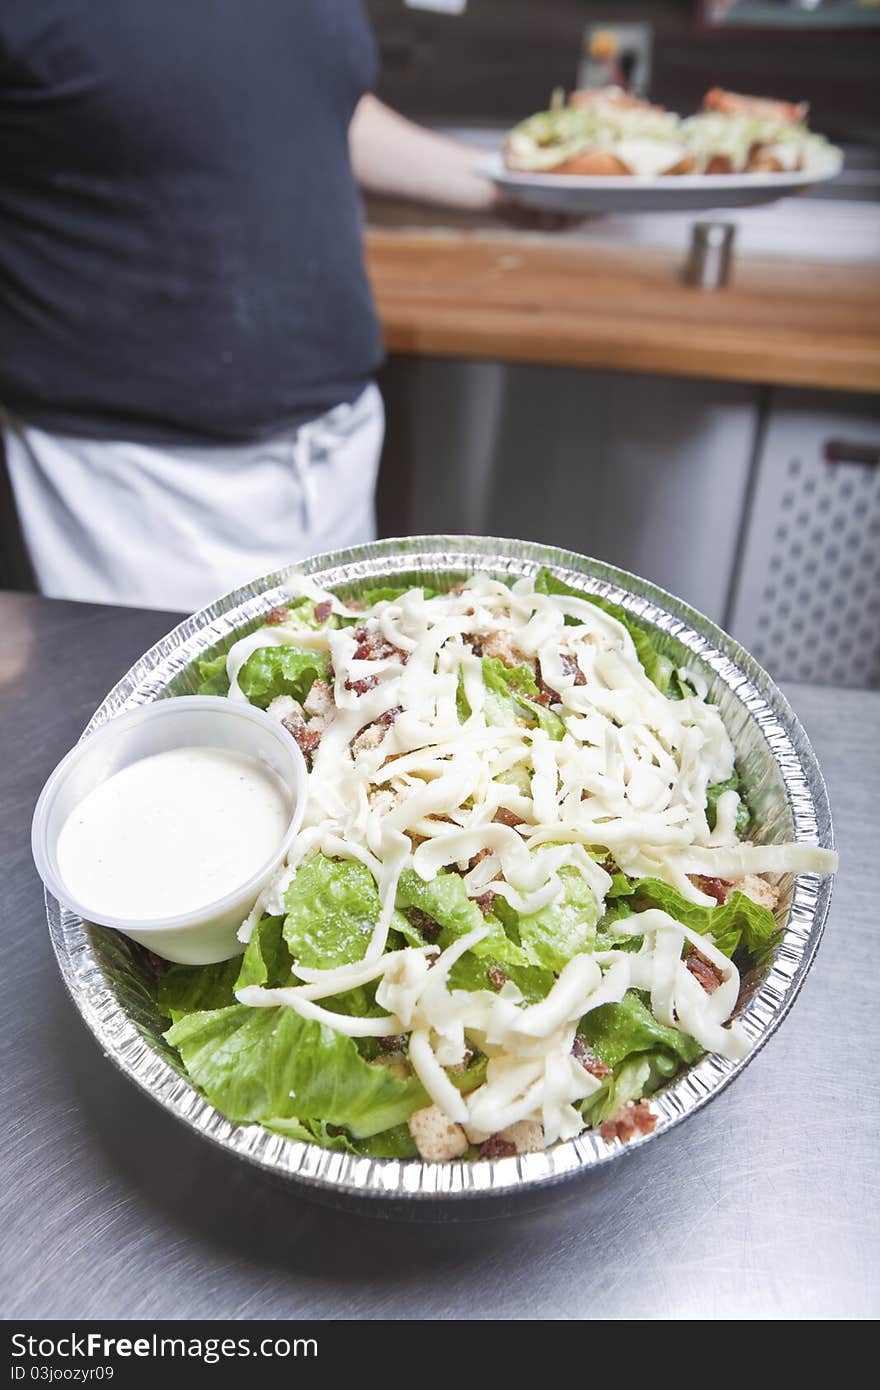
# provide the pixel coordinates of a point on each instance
(276, 616)
(323, 611)
(469, 612)
(397, 1042)
(717, 888)
(571, 668)
(497, 977)
(485, 902)
(709, 975)
(504, 817)
(422, 922)
(496, 1147)
(475, 643)
(629, 1121)
(362, 686)
(580, 1051)
(548, 695)
(372, 646)
(306, 738)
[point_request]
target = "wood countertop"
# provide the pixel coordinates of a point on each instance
(530, 298)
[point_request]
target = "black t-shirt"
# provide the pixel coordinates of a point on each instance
(180, 234)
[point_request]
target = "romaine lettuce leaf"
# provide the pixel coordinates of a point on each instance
(444, 900)
(636, 1078)
(497, 952)
(658, 668)
(213, 679)
(332, 906)
(270, 1064)
(282, 670)
(186, 989)
(743, 814)
(302, 611)
(617, 1031)
(737, 922)
(512, 691)
(564, 928)
(391, 1143)
(313, 1132)
(266, 958)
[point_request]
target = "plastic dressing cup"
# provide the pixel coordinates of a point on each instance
(207, 933)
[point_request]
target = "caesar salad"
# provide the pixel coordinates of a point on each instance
(527, 890)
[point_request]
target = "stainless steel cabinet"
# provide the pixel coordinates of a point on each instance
(806, 596)
(649, 473)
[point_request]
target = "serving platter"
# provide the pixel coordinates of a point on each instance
(580, 193)
(111, 980)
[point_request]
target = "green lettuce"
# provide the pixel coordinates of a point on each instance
(636, 1078)
(302, 611)
(332, 906)
(266, 959)
(743, 814)
(564, 928)
(213, 679)
(618, 1031)
(658, 668)
(511, 692)
(738, 922)
(187, 989)
(259, 1065)
(445, 901)
(272, 671)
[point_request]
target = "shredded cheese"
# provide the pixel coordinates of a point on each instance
(628, 775)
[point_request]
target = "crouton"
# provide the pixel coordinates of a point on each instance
(759, 890)
(527, 1135)
(437, 1139)
(319, 701)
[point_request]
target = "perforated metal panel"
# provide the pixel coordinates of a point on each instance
(807, 602)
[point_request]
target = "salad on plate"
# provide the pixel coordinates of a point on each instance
(525, 894)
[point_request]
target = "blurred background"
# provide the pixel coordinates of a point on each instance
(567, 387)
(722, 491)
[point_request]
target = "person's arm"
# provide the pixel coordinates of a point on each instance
(392, 156)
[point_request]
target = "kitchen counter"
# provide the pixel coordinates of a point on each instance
(761, 1206)
(483, 293)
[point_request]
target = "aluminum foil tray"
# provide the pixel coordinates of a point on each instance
(111, 981)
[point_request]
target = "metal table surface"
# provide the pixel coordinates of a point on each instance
(762, 1206)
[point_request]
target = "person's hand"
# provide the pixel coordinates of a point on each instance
(527, 219)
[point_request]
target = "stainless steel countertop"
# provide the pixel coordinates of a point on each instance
(763, 1206)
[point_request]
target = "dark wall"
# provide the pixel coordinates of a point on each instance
(501, 58)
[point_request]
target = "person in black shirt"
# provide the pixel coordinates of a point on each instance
(187, 335)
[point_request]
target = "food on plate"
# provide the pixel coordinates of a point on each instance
(614, 98)
(524, 895)
(608, 132)
(759, 108)
(602, 132)
(737, 134)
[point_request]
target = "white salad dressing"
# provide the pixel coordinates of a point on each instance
(172, 833)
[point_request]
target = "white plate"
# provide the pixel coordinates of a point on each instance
(672, 193)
